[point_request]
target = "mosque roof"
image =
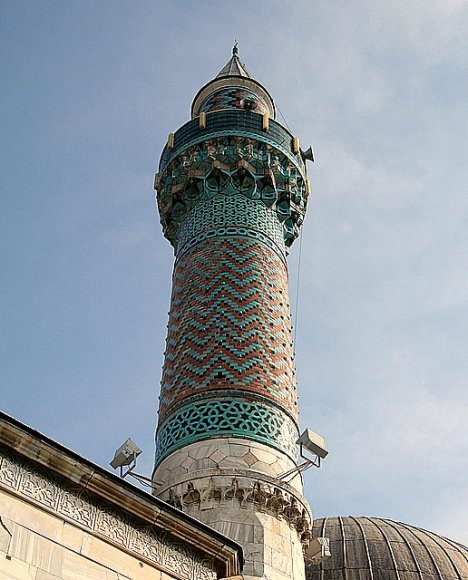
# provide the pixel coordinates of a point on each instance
(35, 468)
(365, 548)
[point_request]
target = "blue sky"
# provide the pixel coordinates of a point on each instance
(90, 92)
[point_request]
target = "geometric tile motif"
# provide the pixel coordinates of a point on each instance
(234, 98)
(229, 325)
(231, 231)
(223, 211)
(231, 123)
(232, 166)
(227, 417)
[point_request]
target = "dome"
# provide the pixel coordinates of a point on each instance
(379, 549)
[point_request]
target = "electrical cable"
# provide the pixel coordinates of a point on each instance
(298, 280)
(283, 117)
(300, 250)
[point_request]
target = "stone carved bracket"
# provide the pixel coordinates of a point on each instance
(258, 495)
(107, 522)
(234, 166)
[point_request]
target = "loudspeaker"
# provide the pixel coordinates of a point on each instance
(308, 155)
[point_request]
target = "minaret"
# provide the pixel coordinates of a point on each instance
(232, 194)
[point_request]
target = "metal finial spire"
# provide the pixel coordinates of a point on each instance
(235, 50)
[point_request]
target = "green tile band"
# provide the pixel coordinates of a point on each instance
(227, 418)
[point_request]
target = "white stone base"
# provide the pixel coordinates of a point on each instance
(272, 550)
(233, 485)
(225, 453)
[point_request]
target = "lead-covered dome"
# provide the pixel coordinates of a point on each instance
(379, 549)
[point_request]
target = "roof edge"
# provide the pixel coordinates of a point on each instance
(68, 464)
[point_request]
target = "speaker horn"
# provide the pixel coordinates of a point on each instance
(308, 155)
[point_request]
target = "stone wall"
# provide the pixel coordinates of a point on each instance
(50, 530)
(38, 545)
(62, 517)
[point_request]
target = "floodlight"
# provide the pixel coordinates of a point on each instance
(318, 550)
(125, 454)
(313, 442)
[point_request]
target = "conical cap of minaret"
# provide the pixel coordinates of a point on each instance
(234, 67)
(233, 88)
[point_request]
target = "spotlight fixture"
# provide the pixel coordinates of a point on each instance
(314, 444)
(318, 550)
(126, 454)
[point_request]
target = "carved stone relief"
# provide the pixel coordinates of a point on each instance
(260, 496)
(103, 520)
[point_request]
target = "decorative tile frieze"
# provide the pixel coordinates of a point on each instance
(230, 123)
(232, 165)
(114, 525)
(108, 522)
(226, 216)
(11, 470)
(234, 98)
(44, 491)
(229, 417)
(78, 506)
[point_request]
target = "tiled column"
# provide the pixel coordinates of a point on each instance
(227, 428)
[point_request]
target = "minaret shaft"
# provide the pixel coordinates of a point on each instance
(232, 194)
(229, 344)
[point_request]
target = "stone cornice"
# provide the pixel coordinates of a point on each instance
(218, 488)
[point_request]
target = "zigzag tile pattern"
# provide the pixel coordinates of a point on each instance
(234, 98)
(249, 216)
(229, 325)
